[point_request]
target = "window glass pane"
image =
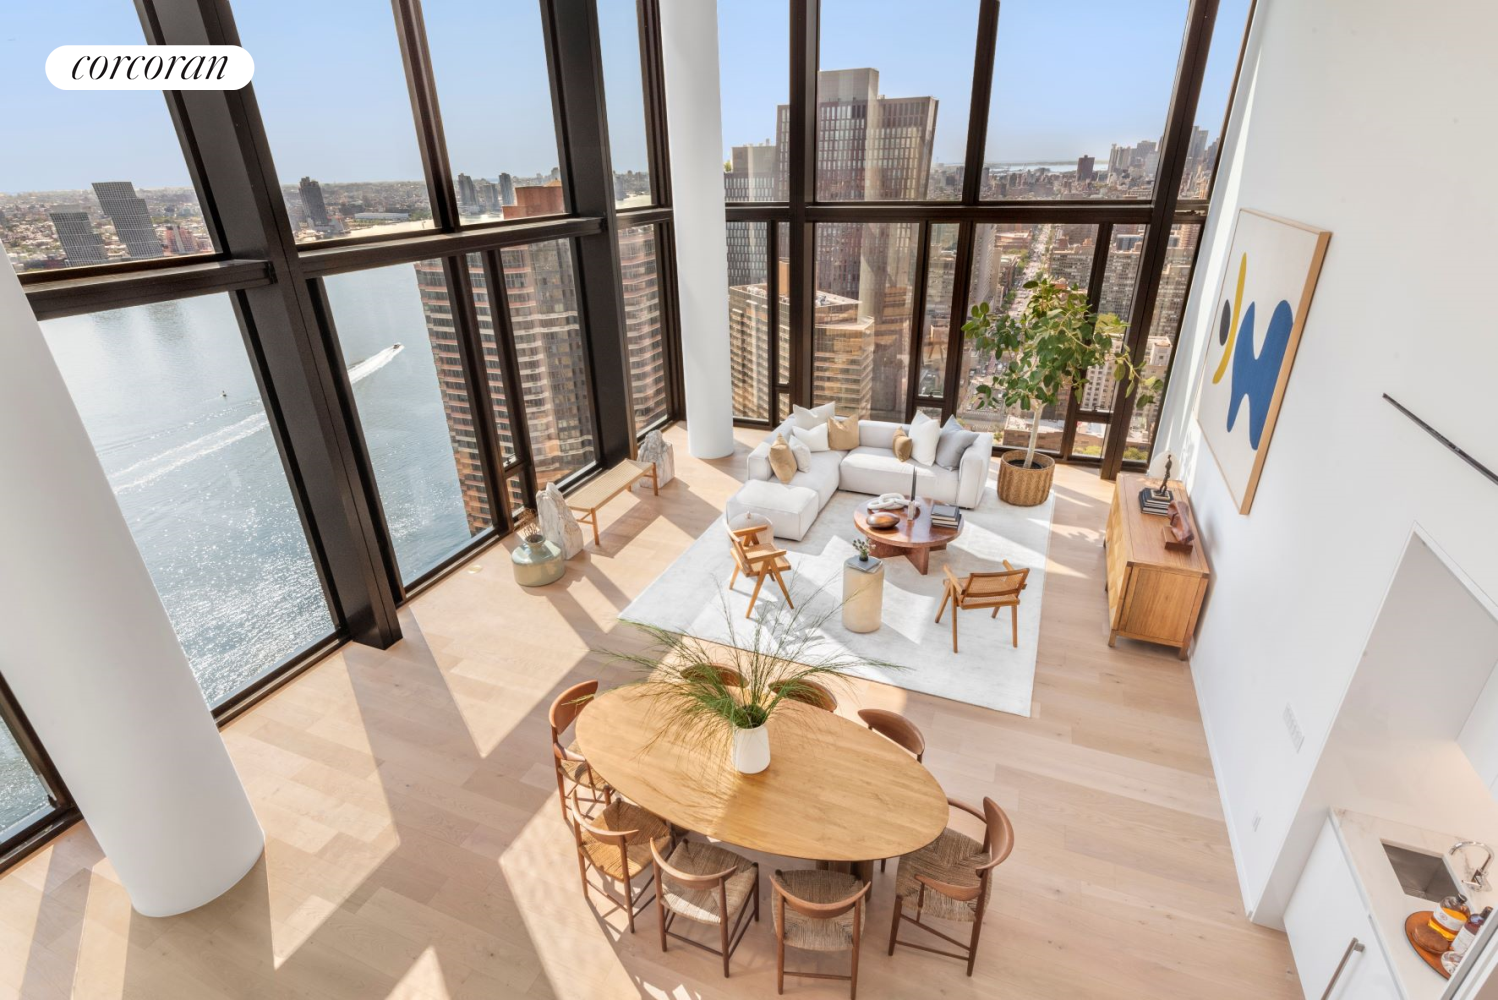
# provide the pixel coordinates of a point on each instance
(1005, 256)
(552, 358)
(496, 112)
(413, 408)
(754, 61)
(624, 96)
(1212, 103)
(749, 320)
(341, 130)
(440, 324)
(941, 267)
(1165, 326)
(170, 401)
(783, 315)
(861, 341)
(1115, 305)
(88, 176)
(23, 797)
(1081, 134)
(642, 321)
(884, 75)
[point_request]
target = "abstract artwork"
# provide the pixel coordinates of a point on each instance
(1256, 325)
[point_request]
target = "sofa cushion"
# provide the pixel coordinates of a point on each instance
(877, 433)
(782, 460)
(789, 509)
(842, 433)
(816, 416)
(951, 445)
(814, 438)
(903, 446)
(877, 470)
(924, 432)
(823, 477)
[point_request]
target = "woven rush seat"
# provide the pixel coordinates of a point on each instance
(810, 933)
(621, 815)
(697, 858)
(579, 771)
(953, 858)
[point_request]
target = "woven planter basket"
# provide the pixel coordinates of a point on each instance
(1024, 487)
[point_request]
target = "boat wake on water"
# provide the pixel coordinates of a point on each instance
(148, 470)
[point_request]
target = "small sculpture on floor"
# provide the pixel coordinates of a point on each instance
(558, 522)
(656, 449)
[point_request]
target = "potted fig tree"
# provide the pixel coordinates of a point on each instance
(1041, 351)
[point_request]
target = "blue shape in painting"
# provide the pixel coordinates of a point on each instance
(1255, 376)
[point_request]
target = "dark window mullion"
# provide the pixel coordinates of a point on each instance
(417, 57)
(476, 373)
(1102, 243)
(962, 281)
(977, 123)
(917, 317)
(504, 339)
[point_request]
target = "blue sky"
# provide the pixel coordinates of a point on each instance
(336, 107)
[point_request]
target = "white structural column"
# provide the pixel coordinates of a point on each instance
(689, 42)
(91, 656)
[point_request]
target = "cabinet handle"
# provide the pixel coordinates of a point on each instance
(1352, 946)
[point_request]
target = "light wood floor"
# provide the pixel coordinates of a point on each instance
(415, 847)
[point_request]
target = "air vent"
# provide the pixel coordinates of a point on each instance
(1292, 726)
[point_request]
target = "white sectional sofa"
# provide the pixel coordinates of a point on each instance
(870, 468)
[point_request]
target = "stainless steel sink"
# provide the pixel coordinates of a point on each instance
(1420, 874)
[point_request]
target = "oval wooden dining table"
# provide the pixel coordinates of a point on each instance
(834, 790)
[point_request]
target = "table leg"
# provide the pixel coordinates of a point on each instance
(920, 559)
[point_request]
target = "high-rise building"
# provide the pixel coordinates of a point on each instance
(869, 147)
(753, 174)
(179, 240)
(540, 199)
(81, 242)
(468, 195)
(130, 216)
(488, 196)
(640, 281)
(313, 206)
(1085, 166)
(506, 189)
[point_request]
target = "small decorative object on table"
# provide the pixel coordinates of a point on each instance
(913, 507)
(882, 520)
(1157, 500)
(861, 546)
(946, 515)
(537, 561)
(1179, 535)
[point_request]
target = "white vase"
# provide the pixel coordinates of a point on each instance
(751, 749)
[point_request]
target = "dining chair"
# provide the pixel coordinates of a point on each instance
(727, 676)
(951, 879)
(807, 692)
(999, 589)
(818, 911)
(571, 766)
(900, 731)
(708, 884)
(618, 844)
(758, 559)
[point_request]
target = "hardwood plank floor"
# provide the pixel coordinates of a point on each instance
(415, 848)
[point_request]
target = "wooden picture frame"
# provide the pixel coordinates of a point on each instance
(1255, 333)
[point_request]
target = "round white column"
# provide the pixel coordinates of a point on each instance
(91, 656)
(689, 43)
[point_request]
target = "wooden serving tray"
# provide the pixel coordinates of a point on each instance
(1416, 930)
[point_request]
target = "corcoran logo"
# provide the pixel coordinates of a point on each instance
(149, 67)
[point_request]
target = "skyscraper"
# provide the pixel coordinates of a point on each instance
(131, 217)
(506, 189)
(1085, 165)
(640, 282)
(179, 240)
(81, 242)
(312, 204)
(468, 196)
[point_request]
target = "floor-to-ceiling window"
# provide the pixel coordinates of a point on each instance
(912, 161)
(314, 396)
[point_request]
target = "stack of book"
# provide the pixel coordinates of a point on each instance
(945, 515)
(1155, 501)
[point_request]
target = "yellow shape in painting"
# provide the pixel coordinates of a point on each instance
(1227, 350)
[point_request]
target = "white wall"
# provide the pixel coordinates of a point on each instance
(1373, 120)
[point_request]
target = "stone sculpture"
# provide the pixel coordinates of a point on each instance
(655, 449)
(557, 521)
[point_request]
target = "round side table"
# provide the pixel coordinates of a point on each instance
(863, 594)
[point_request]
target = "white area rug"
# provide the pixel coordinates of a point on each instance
(988, 671)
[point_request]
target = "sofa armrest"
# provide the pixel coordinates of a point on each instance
(758, 466)
(972, 471)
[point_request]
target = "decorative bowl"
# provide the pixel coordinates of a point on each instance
(882, 520)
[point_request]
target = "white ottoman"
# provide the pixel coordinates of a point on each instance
(789, 509)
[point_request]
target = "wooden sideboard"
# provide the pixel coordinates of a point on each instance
(1154, 594)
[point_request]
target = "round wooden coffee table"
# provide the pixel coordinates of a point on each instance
(915, 539)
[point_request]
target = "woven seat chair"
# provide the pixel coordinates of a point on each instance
(818, 911)
(898, 730)
(983, 591)
(727, 676)
(617, 843)
(572, 767)
(705, 883)
(951, 879)
(758, 559)
(808, 692)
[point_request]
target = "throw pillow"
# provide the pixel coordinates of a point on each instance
(782, 462)
(924, 433)
(804, 418)
(952, 445)
(815, 438)
(802, 452)
(903, 445)
(842, 433)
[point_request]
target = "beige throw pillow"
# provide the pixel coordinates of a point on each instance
(903, 445)
(782, 462)
(842, 433)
